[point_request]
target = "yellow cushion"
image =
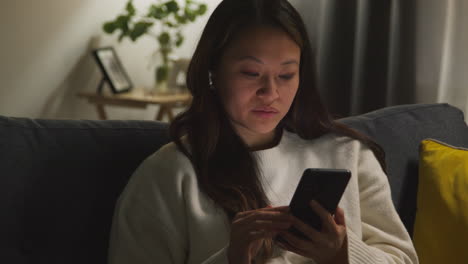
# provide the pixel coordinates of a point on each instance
(441, 227)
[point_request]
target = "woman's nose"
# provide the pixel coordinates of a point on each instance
(268, 90)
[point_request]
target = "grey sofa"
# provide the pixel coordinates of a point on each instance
(59, 179)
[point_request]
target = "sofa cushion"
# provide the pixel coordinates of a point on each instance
(399, 130)
(59, 183)
(441, 227)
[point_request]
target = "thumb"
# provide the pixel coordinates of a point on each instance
(339, 217)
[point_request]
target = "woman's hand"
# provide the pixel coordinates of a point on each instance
(250, 228)
(324, 246)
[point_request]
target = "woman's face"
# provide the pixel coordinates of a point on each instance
(257, 81)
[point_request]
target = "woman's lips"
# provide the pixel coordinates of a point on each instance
(265, 109)
(265, 112)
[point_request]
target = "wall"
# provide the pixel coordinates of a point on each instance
(45, 56)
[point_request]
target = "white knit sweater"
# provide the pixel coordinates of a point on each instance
(162, 217)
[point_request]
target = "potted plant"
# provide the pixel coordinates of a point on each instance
(168, 17)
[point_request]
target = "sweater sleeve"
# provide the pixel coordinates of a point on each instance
(384, 237)
(149, 224)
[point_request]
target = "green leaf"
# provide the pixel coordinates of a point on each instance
(109, 27)
(122, 22)
(157, 12)
(130, 8)
(202, 9)
(164, 38)
(179, 39)
(140, 29)
(172, 6)
(181, 19)
(190, 14)
(170, 24)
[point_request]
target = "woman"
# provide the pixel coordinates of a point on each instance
(219, 192)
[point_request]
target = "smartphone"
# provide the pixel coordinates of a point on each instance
(326, 186)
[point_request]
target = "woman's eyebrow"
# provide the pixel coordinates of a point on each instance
(257, 60)
(293, 61)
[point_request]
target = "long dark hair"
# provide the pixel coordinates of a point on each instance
(226, 170)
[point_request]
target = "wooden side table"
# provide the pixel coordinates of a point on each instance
(138, 98)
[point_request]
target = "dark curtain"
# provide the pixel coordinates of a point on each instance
(365, 53)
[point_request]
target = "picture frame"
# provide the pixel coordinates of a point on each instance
(112, 69)
(178, 73)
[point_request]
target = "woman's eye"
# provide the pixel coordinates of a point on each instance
(287, 76)
(251, 74)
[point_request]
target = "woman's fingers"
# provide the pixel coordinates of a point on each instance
(339, 217)
(266, 215)
(269, 208)
(289, 247)
(306, 229)
(279, 209)
(249, 228)
(269, 226)
(296, 244)
(259, 234)
(266, 219)
(292, 239)
(327, 219)
(324, 244)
